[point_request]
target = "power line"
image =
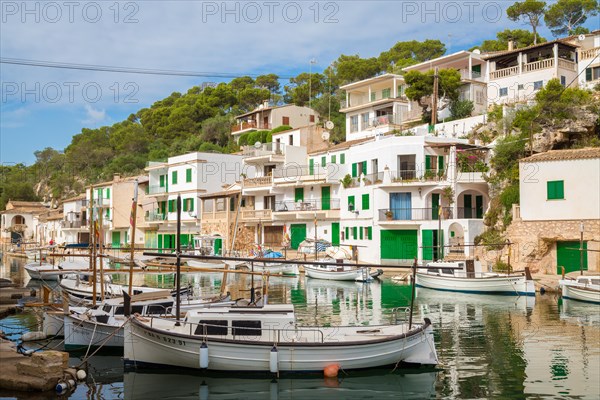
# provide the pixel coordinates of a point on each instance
(124, 70)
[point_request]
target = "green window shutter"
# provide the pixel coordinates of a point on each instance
(108, 193)
(191, 207)
(342, 158)
(188, 175)
(185, 204)
(171, 205)
(588, 74)
(347, 233)
(333, 159)
(427, 163)
(311, 166)
(386, 93)
(365, 201)
(364, 167)
(440, 163)
(373, 96)
(370, 233)
(174, 177)
(360, 231)
(354, 168)
(162, 180)
(427, 239)
(354, 233)
(299, 194)
(351, 203)
(107, 213)
(323, 161)
(556, 190)
(99, 193)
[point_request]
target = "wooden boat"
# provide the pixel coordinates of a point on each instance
(206, 245)
(103, 326)
(338, 273)
(51, 272)
(584, 288)
(263, 339)
(467, 276)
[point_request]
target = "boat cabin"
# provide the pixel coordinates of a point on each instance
(459, 269)
(160, 303)
(589, 280)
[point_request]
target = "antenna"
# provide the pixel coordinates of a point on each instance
(325, 135)
(329, 125)
(257, 145)
(581, 37)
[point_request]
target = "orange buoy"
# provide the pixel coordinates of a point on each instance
(331, 371)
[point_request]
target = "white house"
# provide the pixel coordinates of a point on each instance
(559, 200)
(18, 222)
(589, 61)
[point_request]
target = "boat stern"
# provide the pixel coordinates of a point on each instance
(424, 353)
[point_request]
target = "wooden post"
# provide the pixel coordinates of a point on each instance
(581, 248)
(178, 261)
(132, 223)
(509, 267)
(412, 293)
(93, 247)
(100, 244)
(434, 98)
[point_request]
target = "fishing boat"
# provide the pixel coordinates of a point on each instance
(54, 272)
(343, 272)
(267, 339)
(468, 276)
(584, 288)
(205, 245)
(272, 262)
(103, 325)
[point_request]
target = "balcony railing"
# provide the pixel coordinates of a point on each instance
(537, 65)
(155, 217)
(265, 149)
(307, 205)
(257, 182)
(293, 172)
(157, 189)
(567, 64)
(505, 72)
(243, 126)
(589, 53)
(211, 215)
(429, 214)
(373, 179)
(73, 224)
(256, 214)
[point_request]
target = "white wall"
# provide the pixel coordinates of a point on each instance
(581, 189)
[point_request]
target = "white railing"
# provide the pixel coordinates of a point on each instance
(567, 64)
(264, 149)
(255, 214)
(589, 53)
(260, 181)
(537, 65)
(505, 72)
(218, 215)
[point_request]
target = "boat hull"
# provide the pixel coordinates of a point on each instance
(360, 274)
(580, 294)
(507, 285)
(80, 333)
(146, 346)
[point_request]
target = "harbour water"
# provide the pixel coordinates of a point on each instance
(489, 346)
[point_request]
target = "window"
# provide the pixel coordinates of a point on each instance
(286, 120)
(538, 85)
(591, 74)
(520, 87)
(354, 123)
(107, 215)
(364, 120)
(503, 92)
(174, 177)
(246, 328)
(291, 140)
(386, 93)
(479, 97)
(365, 201)
(351, 203)
(360, 232)
(333, 159)
(354, 232)
(563, 80)
(347, 233)
(373, 96)
(213, 327)
(342, 158)
(323, 161)
(556, 190)
(369, 232)
(172, 206)
(311, 118)
(401, 90)
(162, 181)
(343, 235)
(476, 71)
(108, 193)
(188, 204)
(311, 166)
(188, 175)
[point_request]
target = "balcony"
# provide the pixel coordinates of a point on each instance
(589, 53)
(307, 205)
(258, 182)
(249, 125)
(264, 149)
(255, 215)
(429, 214)
(157, 189)
(74, 224)
(155, 217)
(215, 215)
(533, 66)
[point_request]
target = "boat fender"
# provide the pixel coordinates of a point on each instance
(204, 355)
(542, 290)
(274, 360)
(65, 385)
(81, 375)
(331, 371)
(32, 336)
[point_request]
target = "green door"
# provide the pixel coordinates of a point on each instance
(567, 255)
(218, 246)
(435, 206)
(298, 234)
(325, 198)
(299, 194)
(116, 240)
(160, 243)
(468, 206)
(399, 244)
(427, 236)
(335, 233)
(478, 206)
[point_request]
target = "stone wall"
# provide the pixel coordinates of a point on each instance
(534, 244)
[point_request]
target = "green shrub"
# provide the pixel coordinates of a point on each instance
(280, 129)
(461, 109)
(509, 196)
(495, 113)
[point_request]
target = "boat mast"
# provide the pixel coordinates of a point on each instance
(412, 293)
(93, 247)
(132, 223)
(178, 261)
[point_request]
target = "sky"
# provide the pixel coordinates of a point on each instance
(45, 107)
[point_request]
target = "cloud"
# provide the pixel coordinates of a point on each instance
(94, 117)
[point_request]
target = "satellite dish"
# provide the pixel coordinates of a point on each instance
(476, 51)
(257, 145)
(329, 125)
(325, 135)
(581, 37)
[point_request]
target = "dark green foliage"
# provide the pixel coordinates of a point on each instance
(280, 129)
(461, 109)
(509, 196)
(521, 38)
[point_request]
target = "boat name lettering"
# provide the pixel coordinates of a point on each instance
(166, 339)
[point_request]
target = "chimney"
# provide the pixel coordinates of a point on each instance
(116, 177)
(511, 45)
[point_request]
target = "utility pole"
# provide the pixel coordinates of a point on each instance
(311, 62)
(434, 100)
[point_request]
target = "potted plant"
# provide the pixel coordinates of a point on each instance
(389, 215)
(346, 181)
(448, 196)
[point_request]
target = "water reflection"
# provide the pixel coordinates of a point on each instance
(377, 384)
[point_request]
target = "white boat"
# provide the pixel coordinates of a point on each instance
(338, 272)
(584, 288)
(51, 272)
(467, 276)
(263, 339)
(282, 268)
(103, 326)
